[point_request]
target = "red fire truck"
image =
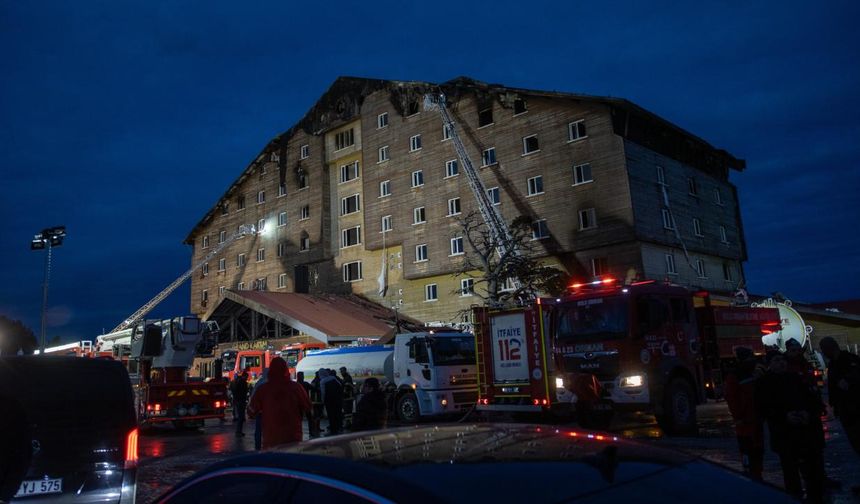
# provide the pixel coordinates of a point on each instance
(606, 347)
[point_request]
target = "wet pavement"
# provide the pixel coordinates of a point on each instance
(167, 456)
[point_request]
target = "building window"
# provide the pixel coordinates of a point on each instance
(222, 264)
(240, 260)
(467, 286)
(222, 236)
(204, 297)
(205, 269)
(418, 216)
(282, 190)
(344, 139)
(305, 151)
(414, 143)
(225, 208)
(282, 249)
(535, 185)
(303, 180)
(668, 221)
(693, 186)
(727, 272)
(520, 106)
(431, 292)
(350, 204)
(349, 172)
(305, 213)
(697, 227)
(457, 246)
(661, 176)
(485, 117)
(205, 243)
(352, 271)
(446, 132)
(261, 225)
(261, 254)
(576, 130)
(508, 285)
(384, 188)
(723, 237)
(539, 230)
(382, 120)
(598, 266)
(260, 284)
(670, 264)
(421, 252)
(494, 195)
(261, 197)
(718, 196)
(282, 280)
(282, 219)
(262, 170)
(417, 178)
(587, 219)
(240, 286)
(383, 154)
(304, 242)
(700, 268)
(530, 144)
(488, 157)
(387, 224)
(412, 108)
(350, 237)
(221, 290)
(240, 203)
(582, 174)
(453, 206)
(451, 168)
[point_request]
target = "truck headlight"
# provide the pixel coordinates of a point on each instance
(559, 383)
(632, 381)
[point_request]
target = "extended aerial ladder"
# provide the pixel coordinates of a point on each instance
(135, 317)
(499, 230)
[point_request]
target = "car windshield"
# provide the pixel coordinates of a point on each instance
(453, 351)
(591, 320)
(292, 357)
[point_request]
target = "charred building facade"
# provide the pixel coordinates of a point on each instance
(364, 195)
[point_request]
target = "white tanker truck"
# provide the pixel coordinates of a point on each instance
(424, 374)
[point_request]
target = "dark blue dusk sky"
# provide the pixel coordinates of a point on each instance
(126, 121)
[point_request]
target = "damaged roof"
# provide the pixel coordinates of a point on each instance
(342, 102)
(327, 317)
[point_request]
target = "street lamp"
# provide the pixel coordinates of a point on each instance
(48, 238)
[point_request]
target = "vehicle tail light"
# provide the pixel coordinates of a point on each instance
(544, 402)
(131, 449)
(157, 407)
(536, 401)
(217, 404)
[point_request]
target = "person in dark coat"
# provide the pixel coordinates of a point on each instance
(345, 377)
(239, 389)
(313, 424)
(371, 412)
(793, 410)
(740, 397)
(332, 397)
(843, 388)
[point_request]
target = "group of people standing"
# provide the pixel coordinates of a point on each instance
(782, 394)
(279, 405)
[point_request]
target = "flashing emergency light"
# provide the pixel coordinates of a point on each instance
(605, 281)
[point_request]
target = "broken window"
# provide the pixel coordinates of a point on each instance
(520, 106)
(240, 202)
(412, 108)
(485, 117)
(344, 139)
(587, 219)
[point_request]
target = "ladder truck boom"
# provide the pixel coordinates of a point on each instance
(243, 230)
(490, 213)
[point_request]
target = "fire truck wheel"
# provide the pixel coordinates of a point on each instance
(407, 408)
(679, 409)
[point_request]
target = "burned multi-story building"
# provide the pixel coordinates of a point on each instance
(369, 182)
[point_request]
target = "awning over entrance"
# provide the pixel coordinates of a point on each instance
(329, 318)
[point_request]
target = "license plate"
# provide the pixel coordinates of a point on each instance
(38, 487)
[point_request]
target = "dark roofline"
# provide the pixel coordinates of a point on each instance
(312, 122)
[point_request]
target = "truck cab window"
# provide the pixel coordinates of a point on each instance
(418, 351)
(652, 314)
(680, 311)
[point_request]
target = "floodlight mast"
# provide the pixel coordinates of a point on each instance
(489, 212)
(135, 317)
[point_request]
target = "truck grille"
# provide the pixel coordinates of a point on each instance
(469, 396)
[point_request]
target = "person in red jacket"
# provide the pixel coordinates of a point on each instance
(740, 396)
(283, 402)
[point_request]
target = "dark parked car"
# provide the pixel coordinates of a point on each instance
(471, 463)
(68, 430)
